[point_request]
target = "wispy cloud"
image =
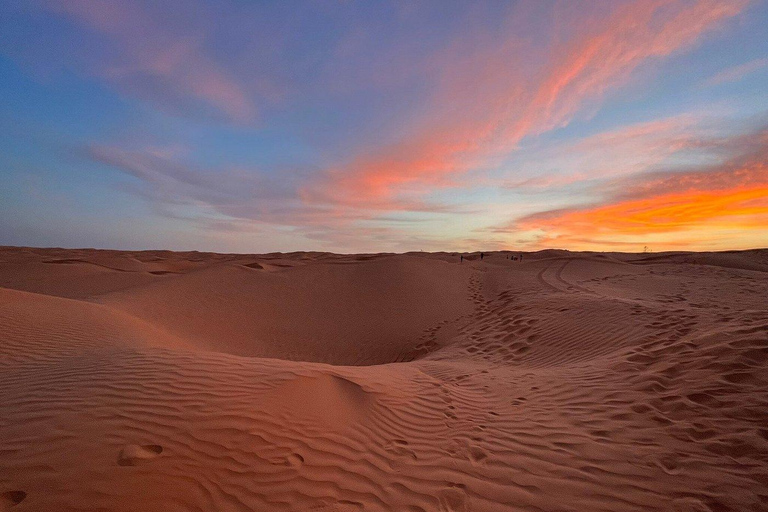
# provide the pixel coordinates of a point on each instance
(625, 150)
(159, 57)
(483, 105)
(236, 193)
(249, 200)
(736, 73)
(363, 126)
(484, 109)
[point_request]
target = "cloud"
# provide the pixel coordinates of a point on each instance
(159, 57)
(464, 98)
(484, 107)
(489, 95)
(232, 192)
(741, 207)
(234, 200)
(720, 203)
(628, 149)
(736, 73)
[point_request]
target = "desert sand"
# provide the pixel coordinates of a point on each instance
(167, 381)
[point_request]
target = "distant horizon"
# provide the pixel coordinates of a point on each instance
(436, 251)
(361, 127)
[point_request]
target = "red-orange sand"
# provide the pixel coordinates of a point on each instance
(161, 381)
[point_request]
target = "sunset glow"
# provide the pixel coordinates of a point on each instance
(354, 127)
(693, 217)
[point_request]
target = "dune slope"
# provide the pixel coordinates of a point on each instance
(566, 382)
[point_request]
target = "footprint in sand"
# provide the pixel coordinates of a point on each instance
(294, 460)
(134, 454)
(399, 448)
(453, 499)
(477, 455)
(11, 499)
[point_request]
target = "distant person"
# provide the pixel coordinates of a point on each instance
(462, 259)
(481, 256)
(521, 256)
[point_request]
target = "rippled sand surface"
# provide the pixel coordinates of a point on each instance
(161, 381)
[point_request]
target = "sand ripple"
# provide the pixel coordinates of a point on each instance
(570, 382)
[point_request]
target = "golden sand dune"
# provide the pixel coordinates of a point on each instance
(160, 381)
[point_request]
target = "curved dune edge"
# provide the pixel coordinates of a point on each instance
(189, 381)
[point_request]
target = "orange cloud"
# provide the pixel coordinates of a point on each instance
(740, 208)
(484, 107)
(714, 209)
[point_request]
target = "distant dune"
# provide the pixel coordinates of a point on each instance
(164, 381)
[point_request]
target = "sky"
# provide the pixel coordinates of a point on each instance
(249, 126)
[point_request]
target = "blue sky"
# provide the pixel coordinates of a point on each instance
(384, 126)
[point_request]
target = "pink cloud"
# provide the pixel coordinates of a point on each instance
(158, 57)
(625, 150)
(246, 199)
(736, 73)
(484, 107)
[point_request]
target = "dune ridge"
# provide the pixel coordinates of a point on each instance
(170, 381)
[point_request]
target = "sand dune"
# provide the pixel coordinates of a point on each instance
(317, 382)
(364, 313)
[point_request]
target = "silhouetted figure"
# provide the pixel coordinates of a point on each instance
(481, 256)
(521, 256)
(462, 259)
